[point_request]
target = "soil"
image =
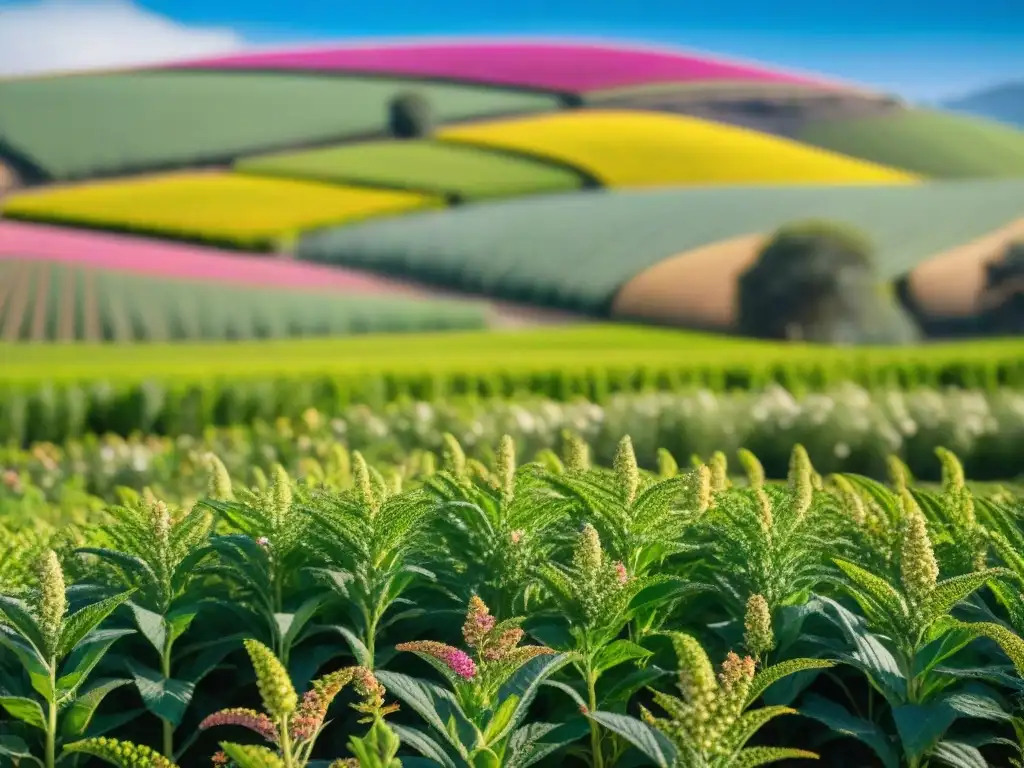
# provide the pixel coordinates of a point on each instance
(696, 288)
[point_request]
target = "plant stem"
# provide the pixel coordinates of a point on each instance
(286, 743)
(51, 720)
(595, 731)
(167, 725)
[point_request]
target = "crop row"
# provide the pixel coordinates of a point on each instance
(53, 394)
(550, 614)
(43, 301)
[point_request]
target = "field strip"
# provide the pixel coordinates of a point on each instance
(20, 282)
(67, 304)
(92, 326)
(43, 294)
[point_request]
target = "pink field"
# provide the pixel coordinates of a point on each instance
(568, 67)
(152, 257)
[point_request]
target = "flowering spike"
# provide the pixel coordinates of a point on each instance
(52, 603)
(281, 492)
(704, 488)
(852, 502)
(897, 473)
(759, 636)
(627, 470)
(505, 465)
(120, 753)
(764, 504)
(919, 570)
(719, 471)
(952, 470)
(800, 484)
(587, 557)
(479, 622)
(752, 466)
(577, 452)
(220, 480)
(244, 718)
(311, 711)
(364, 486)
(696, 675)
(457, 661)
(279, 697)
(667, 465)
(341, 461)
(453, 458)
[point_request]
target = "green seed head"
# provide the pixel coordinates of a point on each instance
(505, 465)
(282, 492)
(704, 488)
(627, 470)
(576, 453)
(696, 675)
(587, 557)
(276, 690)
(52, 600)
(453, 458)
(719, 471)
(364, 486)
(752, 466)
(800, 484)
(220, 481)
(919, 570)
(667, 465)
(759, 637)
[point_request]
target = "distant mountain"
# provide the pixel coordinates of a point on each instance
(1002, 102)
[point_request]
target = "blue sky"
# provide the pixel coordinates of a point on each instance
(923, 49)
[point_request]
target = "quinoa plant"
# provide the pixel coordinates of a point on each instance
(478, 720)
(711, 724)
(156, 553)
(498, 527)
(906, 640)
(372, 540)
(289, 724)
(57, 651)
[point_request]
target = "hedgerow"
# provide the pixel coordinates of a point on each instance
(549, 613)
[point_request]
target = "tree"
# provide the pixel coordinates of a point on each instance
(410, 116)
(816, 281)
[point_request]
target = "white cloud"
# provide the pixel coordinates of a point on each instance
(63, 35)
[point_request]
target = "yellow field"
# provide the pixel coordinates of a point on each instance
(242, 210)
(644, 149)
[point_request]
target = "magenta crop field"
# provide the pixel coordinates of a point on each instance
(125, 253)
(564, 67)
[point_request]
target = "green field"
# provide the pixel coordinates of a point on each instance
(462, 172)
(575, 251)
(51, 302)
(85, 125)
(936, 144)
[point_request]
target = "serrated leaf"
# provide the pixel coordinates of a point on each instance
(164, 697)
(772, 674)
(755, 756)
(959, 755)
(525, 683)
(619, 652)
(26, 710)
(78, 625)
(922, 726)
(423, 744)
(838, 719)
(85, 657)
(291, 624)
(22, 621)
(622, 691)
(151, 625)
(358, 648)
(251, 756)
(881, 591)
(543, 739)
(30, 660)
(649, 741)
(949, 593)
(431, 702)
(1011, 643)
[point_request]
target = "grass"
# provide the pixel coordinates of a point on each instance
(60, 302)
(622, 148)
(466, 173)
(935, 144)
(80, 126)
(242, 211)
(574, 251)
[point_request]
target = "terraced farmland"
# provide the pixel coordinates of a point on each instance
(146, 121)
(580, 251)
(620, 148)
(557, 67)
(452, 171)
(242, 211)
(934, 144)
(50, 301)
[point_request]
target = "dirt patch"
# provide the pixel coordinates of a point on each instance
(694, 288)
(782, 110)
(952, 283)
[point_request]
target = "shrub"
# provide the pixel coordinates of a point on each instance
(410, 116)
(816, 281)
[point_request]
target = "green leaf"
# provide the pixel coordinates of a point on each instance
(1011, 644)
(180, 619)
(525, 683)
(500, 720)
(881, 591)
(151, 625)
(23, 622)
(485, 759)
(25, 710)
(535, 741)
(423, 744)
(134, 567)
(13, 746)
(664, 590)
(921, 726)
(77, 717)
(622, 691)
(769, 675)
(755, 756)
(959, 755)
(841, 721)
(85, 657)
(617, 653)
(30, 660)
(431, 702)
(649, 741)
(164, 697)
(79, 624)
(976, 703)
(291, 624)
(358, 648)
